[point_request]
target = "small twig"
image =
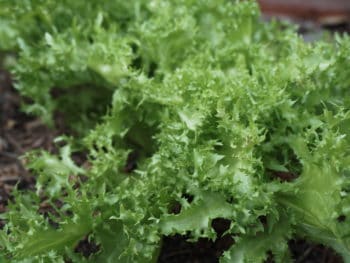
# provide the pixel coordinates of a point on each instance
(304, 255)
(33, 124)
(10, 155)
(5, 179)
(8, 187)
(14, 143)
(38, 142)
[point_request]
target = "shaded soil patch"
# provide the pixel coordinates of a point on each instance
(306, 252)
(19, 133)
(176, 249)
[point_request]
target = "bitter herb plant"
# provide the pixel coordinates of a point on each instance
(240, 114)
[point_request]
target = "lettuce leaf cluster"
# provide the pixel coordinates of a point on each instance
(240, 115)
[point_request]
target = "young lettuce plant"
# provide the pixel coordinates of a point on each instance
(208, 102)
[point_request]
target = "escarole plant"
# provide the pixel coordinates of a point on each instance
(170, 100)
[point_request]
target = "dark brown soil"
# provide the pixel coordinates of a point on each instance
(19, 133)
(306, 252)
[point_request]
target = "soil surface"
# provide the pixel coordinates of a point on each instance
(19, 133)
